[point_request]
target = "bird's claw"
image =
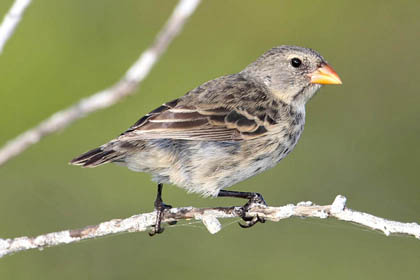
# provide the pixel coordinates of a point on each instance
(160, 208)
(251, 221)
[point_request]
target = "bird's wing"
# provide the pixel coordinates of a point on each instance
(192, 123)
(216, 118)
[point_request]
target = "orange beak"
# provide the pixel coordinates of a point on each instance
(325, 75)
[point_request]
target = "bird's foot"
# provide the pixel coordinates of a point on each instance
(253, 199)
(256, 198)
(160, 209)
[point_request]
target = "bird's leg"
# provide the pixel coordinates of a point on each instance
(253, 198)
(160, 207)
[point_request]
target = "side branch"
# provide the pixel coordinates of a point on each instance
(108, 97)
(11, 21)
(209, 217)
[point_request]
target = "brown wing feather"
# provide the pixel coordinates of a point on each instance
(230, 108)
(219, 124)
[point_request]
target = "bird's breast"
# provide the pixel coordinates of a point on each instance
(286, 134)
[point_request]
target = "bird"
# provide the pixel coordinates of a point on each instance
(224, 131)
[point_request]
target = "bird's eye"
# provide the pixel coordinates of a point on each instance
(295, 62)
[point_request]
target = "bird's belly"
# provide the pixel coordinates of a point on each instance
(206, 167)
(221, 165)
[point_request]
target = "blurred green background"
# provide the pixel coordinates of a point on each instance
(361, 139)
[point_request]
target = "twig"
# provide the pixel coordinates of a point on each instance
(11, 21)
(209, 217)
(103, 99)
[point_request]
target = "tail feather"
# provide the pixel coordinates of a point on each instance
(95, 157)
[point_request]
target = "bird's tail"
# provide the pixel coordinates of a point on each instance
(96, 157)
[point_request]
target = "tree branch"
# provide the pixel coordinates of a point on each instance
(11, 21)
(209, 217)
(103, 99)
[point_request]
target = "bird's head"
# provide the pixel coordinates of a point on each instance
(293, 74)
